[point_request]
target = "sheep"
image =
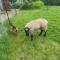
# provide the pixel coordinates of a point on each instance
(31, 26)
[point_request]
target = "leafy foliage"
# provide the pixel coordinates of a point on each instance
(12, 1)
(26, 5)
(16, 5)
(32, 5)
(37, 4)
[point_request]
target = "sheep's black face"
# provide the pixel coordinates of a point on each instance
(26, 31)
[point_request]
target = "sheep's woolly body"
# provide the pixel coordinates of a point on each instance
(36, 24)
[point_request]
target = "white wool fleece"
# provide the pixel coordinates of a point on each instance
(36, 24)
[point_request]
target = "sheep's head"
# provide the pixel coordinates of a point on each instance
(26, 29)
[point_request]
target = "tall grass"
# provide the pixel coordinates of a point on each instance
(20, 47)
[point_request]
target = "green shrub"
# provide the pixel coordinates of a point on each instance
(27, 5)
(16, 5)
(37, 4)
(35, 0)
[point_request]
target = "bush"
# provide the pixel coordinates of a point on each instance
(16, 5)
(26, 5)
(37, 4)
(35, 0)
(32, 5)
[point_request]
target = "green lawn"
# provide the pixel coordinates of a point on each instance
(19, 47)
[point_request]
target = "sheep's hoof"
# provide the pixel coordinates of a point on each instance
(31, 39)
(44, 35)
(39, 34)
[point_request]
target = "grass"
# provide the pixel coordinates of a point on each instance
(19, 47)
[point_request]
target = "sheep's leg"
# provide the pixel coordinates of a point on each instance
(45, 33)
(45, 30)
(41, 32)
(27, 33)
(31, 37)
